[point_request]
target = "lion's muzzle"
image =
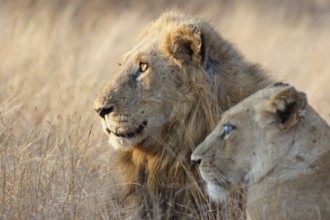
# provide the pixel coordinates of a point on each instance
(128, 133)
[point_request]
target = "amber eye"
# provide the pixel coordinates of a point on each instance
(143, 67)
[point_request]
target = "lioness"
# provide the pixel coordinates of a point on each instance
(276, 144)
(165, 98)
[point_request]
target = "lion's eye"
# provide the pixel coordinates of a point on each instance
(227, 129)
(143, 67)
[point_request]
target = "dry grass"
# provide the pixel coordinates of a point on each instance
(56, 55)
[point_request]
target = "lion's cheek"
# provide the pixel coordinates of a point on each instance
(159, 116)
(157, 121)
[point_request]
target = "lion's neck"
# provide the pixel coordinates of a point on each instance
(281, 192)
(309, 140)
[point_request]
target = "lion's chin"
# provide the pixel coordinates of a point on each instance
(216, 192)
(122, 143)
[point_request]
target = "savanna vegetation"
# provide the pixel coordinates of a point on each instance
(56, 55)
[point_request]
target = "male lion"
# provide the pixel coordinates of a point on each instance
(279, 147)
(165, 98)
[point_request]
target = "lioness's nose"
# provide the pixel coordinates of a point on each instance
(196, 159)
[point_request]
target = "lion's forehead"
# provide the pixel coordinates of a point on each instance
(147, 45)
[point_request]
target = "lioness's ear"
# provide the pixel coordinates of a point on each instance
(285, 107)
(184, 44)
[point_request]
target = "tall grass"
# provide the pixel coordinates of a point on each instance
(56, 55)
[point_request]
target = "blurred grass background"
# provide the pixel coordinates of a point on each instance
(55, 55)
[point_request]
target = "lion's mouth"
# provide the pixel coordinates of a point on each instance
(130, 133)
(216, 180)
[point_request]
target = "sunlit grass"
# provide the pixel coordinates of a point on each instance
(55, 57)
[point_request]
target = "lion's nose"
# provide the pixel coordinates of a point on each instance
(104, 111)
(196, 159)
(103, 105)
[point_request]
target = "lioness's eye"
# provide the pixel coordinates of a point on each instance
(143, 67)
(227, 129)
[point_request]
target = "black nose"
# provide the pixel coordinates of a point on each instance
(196, 160)
(104, 111)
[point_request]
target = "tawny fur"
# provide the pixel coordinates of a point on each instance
(193, 75)
(280, 148)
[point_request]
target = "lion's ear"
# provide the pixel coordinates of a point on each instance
(184, 44)
(285, 107)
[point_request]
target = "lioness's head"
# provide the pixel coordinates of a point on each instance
(173, 85)
(249, 139)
